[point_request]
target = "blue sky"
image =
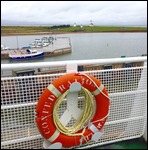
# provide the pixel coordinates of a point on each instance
(79, 12)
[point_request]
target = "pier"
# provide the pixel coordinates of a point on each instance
(59, 46)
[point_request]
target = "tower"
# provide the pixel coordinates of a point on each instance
(74, 25)
(91, 23)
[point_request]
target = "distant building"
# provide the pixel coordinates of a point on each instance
(74, 25)
(91, 23)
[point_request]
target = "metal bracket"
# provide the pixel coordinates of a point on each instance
(71, 67)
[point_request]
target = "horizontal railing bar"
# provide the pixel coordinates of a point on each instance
(109, 142)
(110, 95)
(39, 136)
(21, 140)
(124, 120)
(18, 105)
(78, 62)
(127, 93)
(89, 71)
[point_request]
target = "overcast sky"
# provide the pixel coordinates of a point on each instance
(79, 12)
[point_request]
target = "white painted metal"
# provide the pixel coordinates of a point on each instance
(71, 67)
(97, 136)
(47, 145)
(127, 88)
(78, 62)
(72, 101)
(145, 133)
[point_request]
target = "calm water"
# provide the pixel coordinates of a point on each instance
(87, 46)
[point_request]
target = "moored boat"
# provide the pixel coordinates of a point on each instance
(3, 47)
(25, 54)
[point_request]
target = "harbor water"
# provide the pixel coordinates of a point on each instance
(86, 45)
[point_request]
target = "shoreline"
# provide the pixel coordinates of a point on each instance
(62, 46)
(47, 33)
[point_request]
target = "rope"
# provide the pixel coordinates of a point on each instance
(83, 119)
(82, 74)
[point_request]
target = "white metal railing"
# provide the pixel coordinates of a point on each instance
(71, 62)
(127, 88)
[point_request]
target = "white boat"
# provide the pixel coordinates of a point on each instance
(3, 47)
(25, 54)
(43, 42)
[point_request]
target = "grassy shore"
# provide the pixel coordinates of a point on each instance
(26, 30)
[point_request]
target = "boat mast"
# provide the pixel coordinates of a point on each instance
(17, 42)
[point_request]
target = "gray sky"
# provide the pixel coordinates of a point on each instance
(79, 12)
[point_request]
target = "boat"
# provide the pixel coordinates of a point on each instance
(3, 47)
(43, 42)
(25, 54)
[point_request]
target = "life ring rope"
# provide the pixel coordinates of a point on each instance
(100, 89)
(87, 114)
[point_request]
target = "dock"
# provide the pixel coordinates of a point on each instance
(59, 46)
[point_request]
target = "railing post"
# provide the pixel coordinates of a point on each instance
(71, 67)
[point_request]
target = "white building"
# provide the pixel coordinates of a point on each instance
(74, 25)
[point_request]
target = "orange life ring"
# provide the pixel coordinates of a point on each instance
(44, 109)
